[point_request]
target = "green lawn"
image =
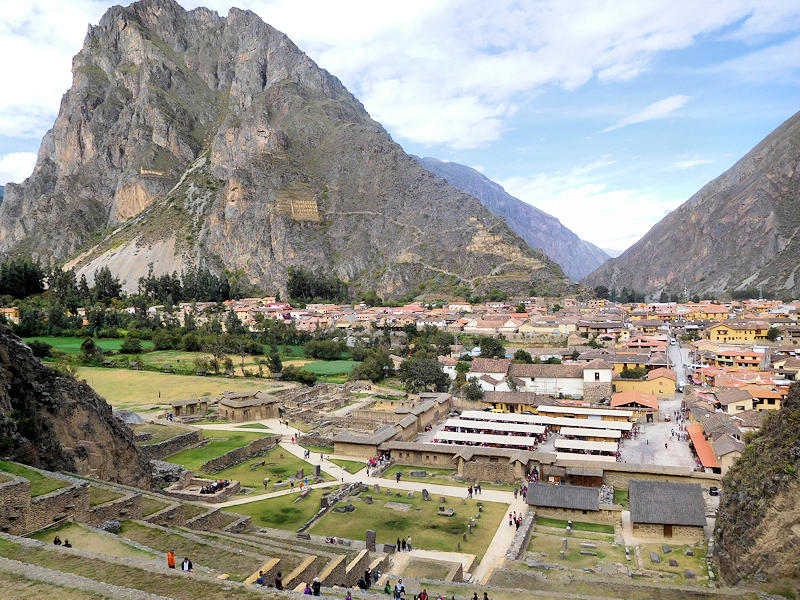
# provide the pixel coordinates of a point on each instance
(289, 352)
(86, 539)
(151, 506)
(696, 563)
(143, 389)
(40, 484)
(317, 449)
(282, 512)
(98, 495)
(331, 367)
(351, 466)
(159, 433)
(438, 475)
(221, 442)
(280, 464)
(427, 529)
(252, 426)
(576, 525)
(552, 545)
(621, 497)
(72, 345)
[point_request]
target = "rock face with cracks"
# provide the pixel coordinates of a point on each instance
(191, 138)
(50, 420)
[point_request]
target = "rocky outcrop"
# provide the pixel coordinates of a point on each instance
(189, 138)
(540, 230)
(740, 231)
(50, 420)
(757, 532)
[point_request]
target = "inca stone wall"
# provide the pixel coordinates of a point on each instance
(257, 447)
(172, 445)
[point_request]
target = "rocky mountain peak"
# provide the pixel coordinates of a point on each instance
(191, 138)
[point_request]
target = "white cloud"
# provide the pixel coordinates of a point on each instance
(16, 166)
(656, 110)
(777, 63)
(607, 217)
(447, 72)
(691, 163)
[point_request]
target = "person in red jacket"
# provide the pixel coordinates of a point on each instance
(171, 559)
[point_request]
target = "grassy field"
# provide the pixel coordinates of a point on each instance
(72, 345)
(221, 442)
(621, 497)
(427, 569)
(576, 525)
(427, 529)
(252, 426)
(40, 484)
(280, 464)
(552, 544)
(331, 367)
(696, 563)
(86, 539)
(317, 449)
(151, 506)
(98, 495)
(283, 512)
(136, 390)
(159, 432)
(18, 586)
(351, 466)
(437, 475)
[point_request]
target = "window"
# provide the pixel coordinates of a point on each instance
(597, 376)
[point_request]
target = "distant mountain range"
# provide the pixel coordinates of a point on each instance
(576, 256)
(189, 138)
(740, 232)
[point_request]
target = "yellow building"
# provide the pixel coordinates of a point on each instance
(734, 400)
(738, 331)
(706, 312)
(511, 402)
(658, 382)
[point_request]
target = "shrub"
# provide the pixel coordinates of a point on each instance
(131, 346)
(41, 349)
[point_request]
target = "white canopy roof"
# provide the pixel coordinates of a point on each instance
(485, 438)
(584, 410)
(584, 445)
(586, 457)
(585, 432)
(483, 415)
(494, 426)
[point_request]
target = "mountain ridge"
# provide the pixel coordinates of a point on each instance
(539, 229)
(190, 138)
(708, 241)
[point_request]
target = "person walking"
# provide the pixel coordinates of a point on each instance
(171, 559)
(186, 565)
(316, 586)
(408, 543)
(278, 581)
(266, 482)
(403, 543)
(397, 476)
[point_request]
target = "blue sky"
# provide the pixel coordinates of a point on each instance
(605, 114)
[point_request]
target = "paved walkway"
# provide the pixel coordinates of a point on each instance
(495, 553)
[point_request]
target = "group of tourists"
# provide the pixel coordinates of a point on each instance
(399, 591)
(404, 544)
(521, 491)
(474, 490)
(314, 588)
(368, 578)
(57, 541)
(216, 486)
(278, 583)
(514, 519)
(186, 565)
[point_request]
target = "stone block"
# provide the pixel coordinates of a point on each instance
(673, 562)
(689, 574)
(371, 537)
(425, 494)
(689, 552)
(654, 557)
(665, 549)
(303, 535)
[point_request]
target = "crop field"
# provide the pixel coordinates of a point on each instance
(72, 345)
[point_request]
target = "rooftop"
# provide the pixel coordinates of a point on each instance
(573, 497)
(666, 503)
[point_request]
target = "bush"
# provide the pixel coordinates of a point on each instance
(292, 373)
(109, 332)
(41, 349)
(131, 346)
(636, 373)
(190, 343)
(324, 349)
(164, 340)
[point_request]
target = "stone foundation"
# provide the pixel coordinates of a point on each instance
(172, 445)
(236, 456)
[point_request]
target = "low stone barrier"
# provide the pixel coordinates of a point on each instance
(15, 502)
(522, 537)
(456, 574)
(303, 573)
(172, 445)
(236, 456)
(356, 567)
(221, 496)
(127, 507)
(166, 517)
(206, 521)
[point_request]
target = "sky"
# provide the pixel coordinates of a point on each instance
(605, 114)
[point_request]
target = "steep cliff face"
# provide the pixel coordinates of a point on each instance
(758, 528)
(188, 137)
(540, 230)
(50, 420)
(739, 231)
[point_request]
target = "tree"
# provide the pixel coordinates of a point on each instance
(523, 357)
(462, 368)
(131, 346)
(663, 297)
(635, 373)
(472, 390)
(41, 349)
(602, 292)
(163, 339)
(418, 374)
(292, 373)
(492, 348)
(324, 349)
(773, 333)
(274, 363)
(190, 342)
(377, 365)
(106, 286)
(593, 343)
(233, 325)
